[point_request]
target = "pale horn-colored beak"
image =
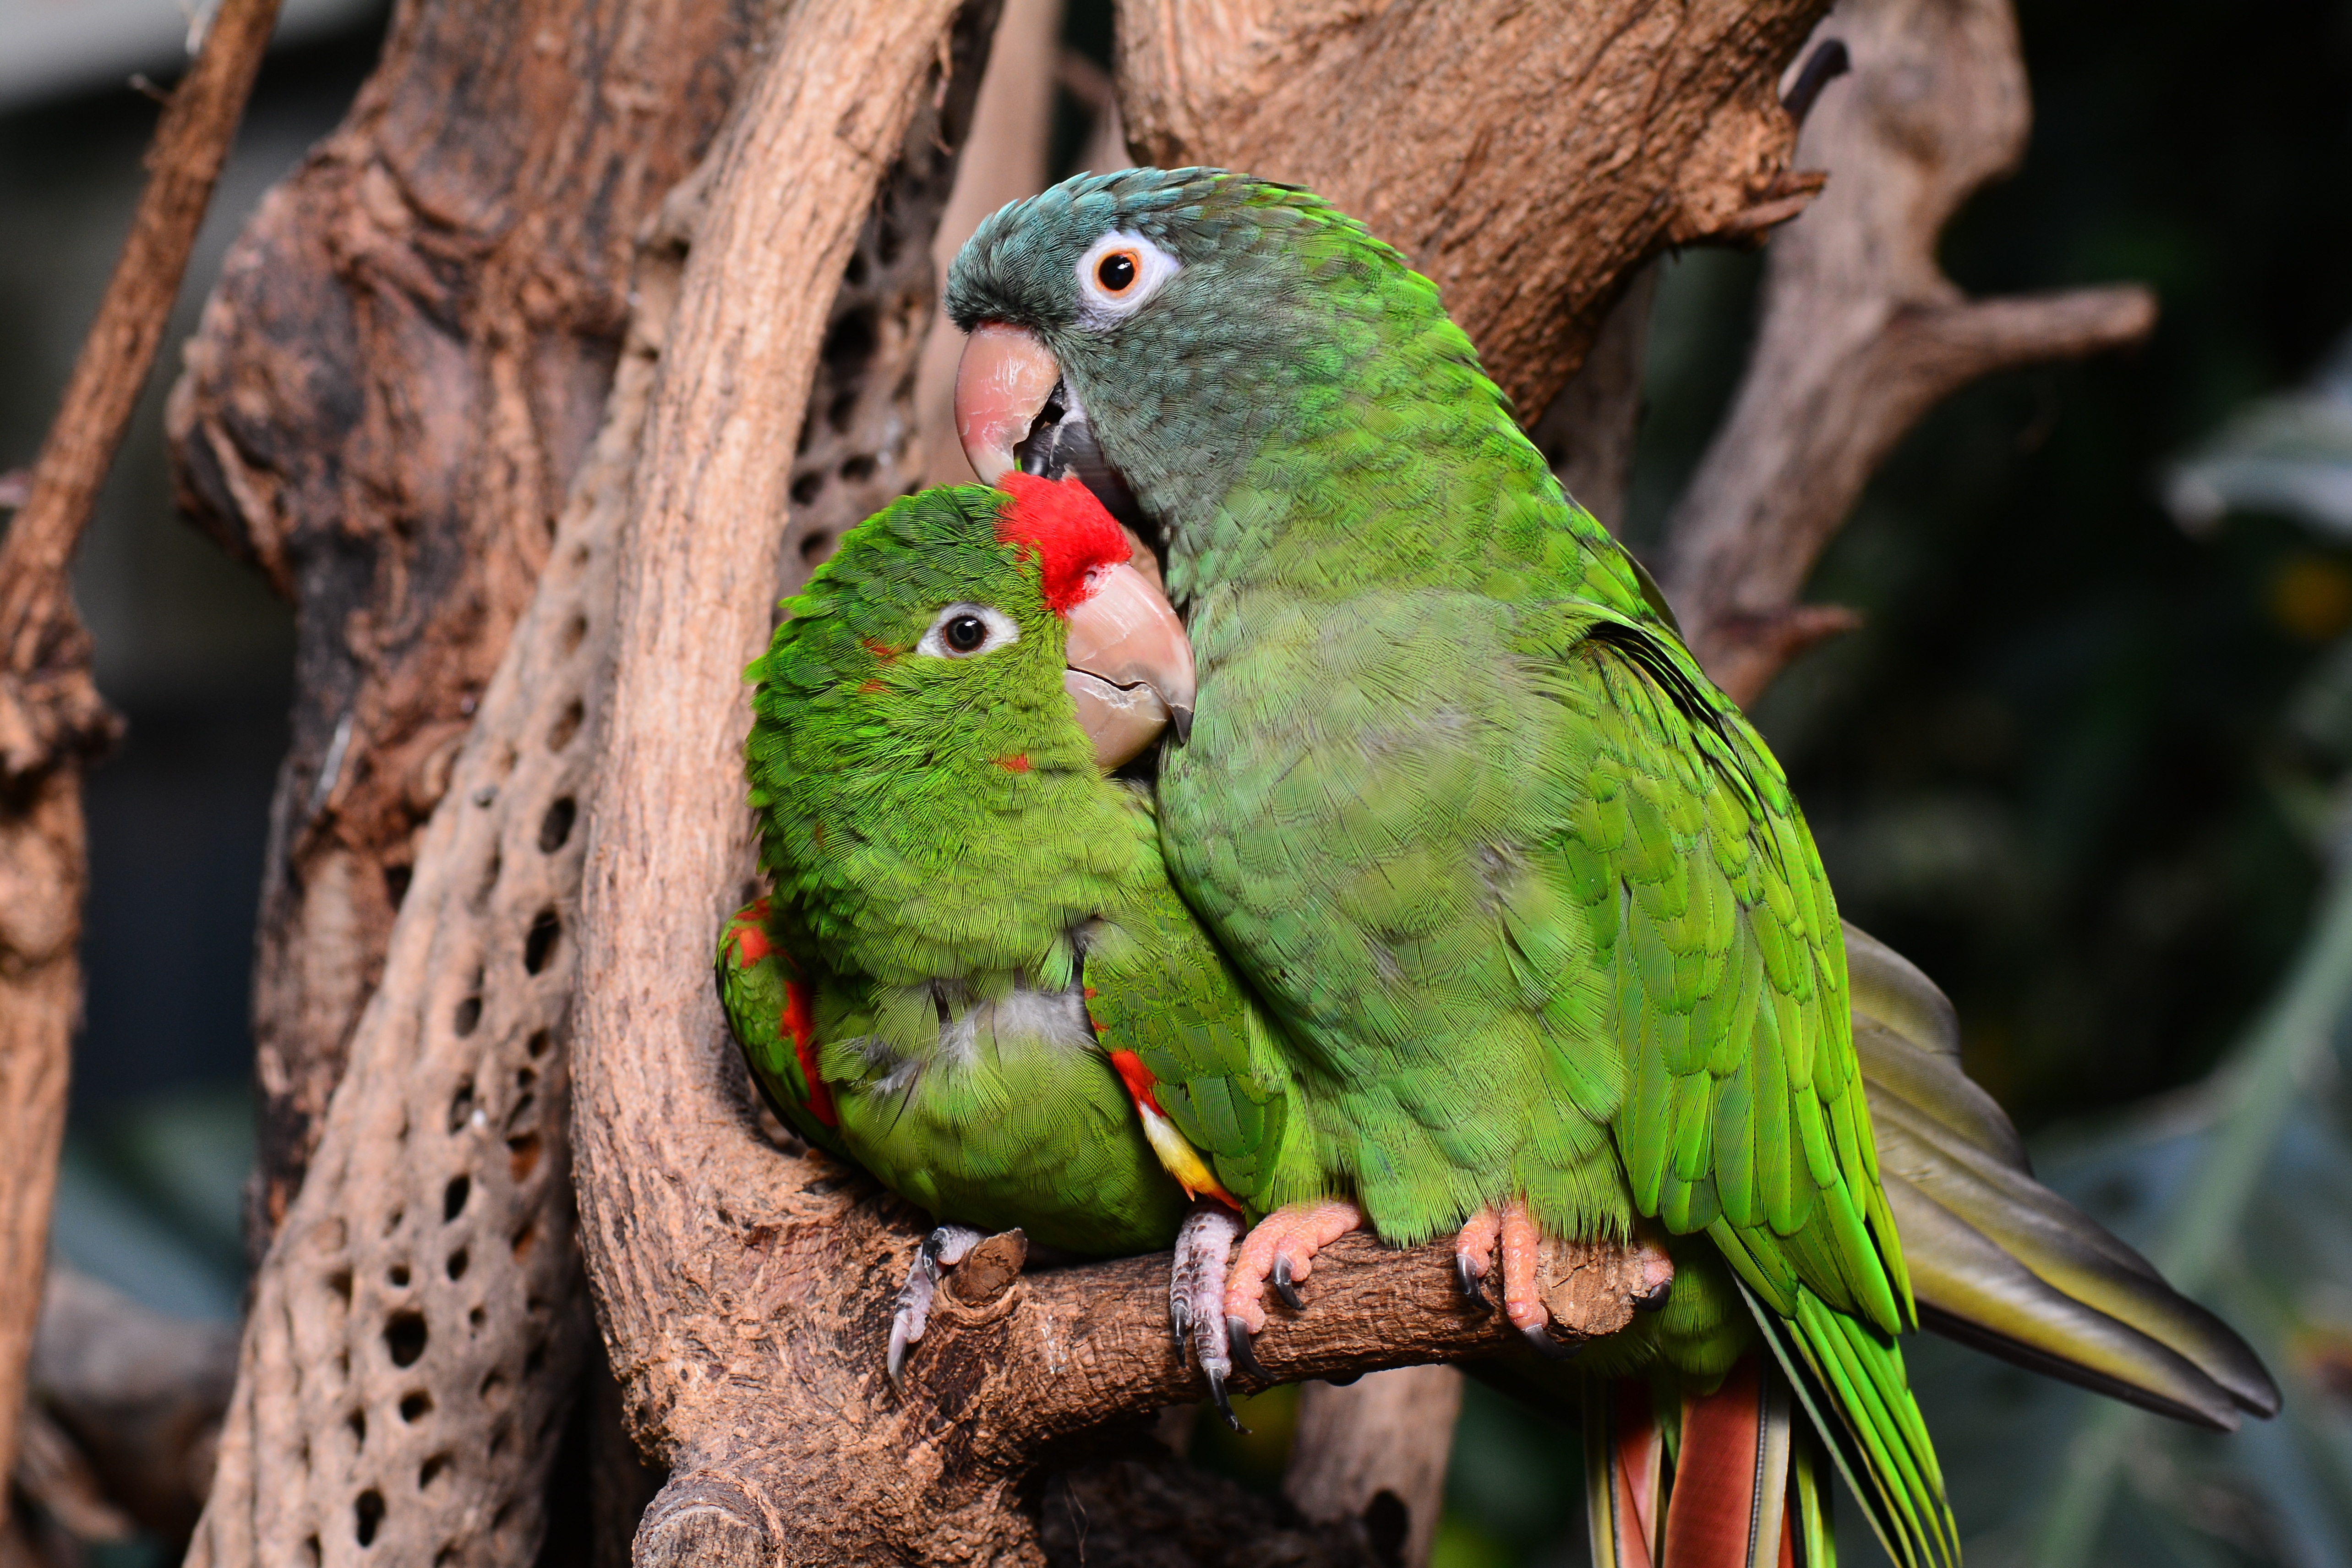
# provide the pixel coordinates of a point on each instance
(1002, 385)
(1129, 666)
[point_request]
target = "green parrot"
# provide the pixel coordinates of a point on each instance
(974, 977)
(1540, 933)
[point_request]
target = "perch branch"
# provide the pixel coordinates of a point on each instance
(52, 719)
(1861, 333)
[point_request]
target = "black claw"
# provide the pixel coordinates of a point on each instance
(1225, 1407)
(1238, 1340)
(1468, 1275)
(1546, 1346)
(1179, 1314)
(1655, 1302)
(1284, 1289)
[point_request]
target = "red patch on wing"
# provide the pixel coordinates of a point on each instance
(874, 683)
(800, 1023)
(1018, 763)
(749, 935)
(1068, 528)
(880, 650)
(1137, 1079)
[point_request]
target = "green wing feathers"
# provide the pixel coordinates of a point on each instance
(772, 1011)
(1156, 987)
(1743, 1115)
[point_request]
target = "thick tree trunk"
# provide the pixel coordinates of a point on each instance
(406, 357)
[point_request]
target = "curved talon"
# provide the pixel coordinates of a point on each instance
(944, 1247)
(1551, 1349)
(1284, 1288)
(1469, 1278)
(1237, 1343)
(1224, 1405)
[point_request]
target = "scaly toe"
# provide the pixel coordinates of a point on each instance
(943, 1249)
(1196, 1280)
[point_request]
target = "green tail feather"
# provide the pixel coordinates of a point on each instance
(1851, 1380)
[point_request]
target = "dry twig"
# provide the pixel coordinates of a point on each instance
(1861, 333)
(52, 720)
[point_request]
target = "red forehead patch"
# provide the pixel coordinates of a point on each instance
(1068, 528)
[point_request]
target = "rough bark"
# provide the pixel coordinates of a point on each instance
(417, 1330)
(52, 720)
(406, 359)
(1553, 147)
(1860, 332)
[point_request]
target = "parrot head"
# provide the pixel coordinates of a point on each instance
(1143, 331)
(950, 624)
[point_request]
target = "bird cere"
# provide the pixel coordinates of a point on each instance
(1270, 807)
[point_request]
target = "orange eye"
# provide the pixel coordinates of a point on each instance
(1117, 272)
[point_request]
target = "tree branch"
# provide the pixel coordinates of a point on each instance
(52, 717)
(1554, 147)
(1860, 332)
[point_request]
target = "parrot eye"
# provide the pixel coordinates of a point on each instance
(964, 631)
(1117, 275)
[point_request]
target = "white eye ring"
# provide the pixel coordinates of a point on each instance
(1101, 306)
(946, 634)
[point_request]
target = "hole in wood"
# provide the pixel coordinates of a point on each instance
(461, 1105)
(494, 1387)
(521, 1112)
(538, 1042)
(340, 1282)
(454, 1197)
(522, 1156)
(817, 547)
(430, 1470)
(525, 1239)
(457, 1262)
(398, 1275)
(843, 413)
(403, 1338)
(367, 1516)
(858, 469)
(394, 1223)
(357, 1421)
(469, 1013)
(575, 632)
(849, 345)
(555, 827)
(311, 1551)
(539, 942)
(475, 1320)
(807, 487)
(395, 882)
(415, 1405)
(525, 1078)
(566, 725)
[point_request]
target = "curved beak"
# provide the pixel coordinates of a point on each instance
(1002, 383)
(1129, 666)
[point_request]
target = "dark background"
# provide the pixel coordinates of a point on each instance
(2059, 768)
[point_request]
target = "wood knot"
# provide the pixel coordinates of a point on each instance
(989, 1269)
(1595, 1287)
(707, 1521)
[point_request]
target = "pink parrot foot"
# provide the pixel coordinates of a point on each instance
(1279, 1251)
(943, 1249)
(1196, 1285)
(1511, 1231)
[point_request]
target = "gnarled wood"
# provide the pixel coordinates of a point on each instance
(406, 359)
(1861, 333)
(1374, 1452)
(52, 720)
(419, 1326)
(1526, 157)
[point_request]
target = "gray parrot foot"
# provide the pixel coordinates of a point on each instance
(943, 1249)
(1196, 1294)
